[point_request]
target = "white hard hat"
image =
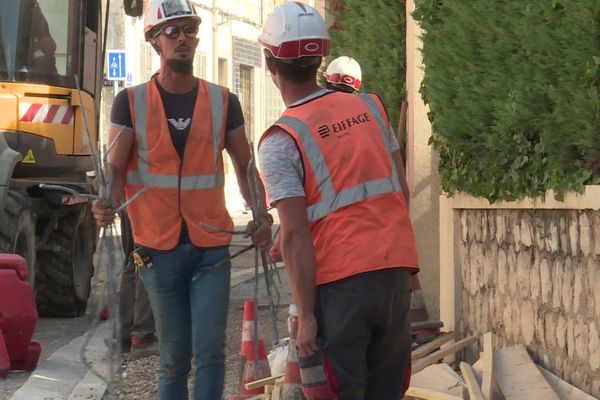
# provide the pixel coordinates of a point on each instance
(161, 11)
(293, 30)
(344, 70)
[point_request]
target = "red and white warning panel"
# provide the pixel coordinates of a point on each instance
(46, 113)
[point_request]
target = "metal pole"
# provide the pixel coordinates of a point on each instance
(215, 55)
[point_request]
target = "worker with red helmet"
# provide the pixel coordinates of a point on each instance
(344, 74)
(342, 199)
(174, 130)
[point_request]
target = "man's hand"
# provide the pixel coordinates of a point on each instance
(104, 214)
(261, 237)
(306, 340)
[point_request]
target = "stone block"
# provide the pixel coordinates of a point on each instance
(574, 233)
(539, 229)
(501, 227)
(526, 239)
(579, 293)
(571, 338)
(550, 331)
(585, 234)
(524, 261)
(502, 271)
(463, 226)
(534, 277)
(594, 347)
(516, 319)
(596, 225)
(563, 229)
(491, 221)
(557, 275)
(545, 281)
(596, 285)
(512, 269)
(567, 285)
(484, 226)
(552, 237)
(581, 338)
(507, 318)
(561, 332)
(528, 321)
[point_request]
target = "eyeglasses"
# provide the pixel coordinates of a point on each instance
(173, 31)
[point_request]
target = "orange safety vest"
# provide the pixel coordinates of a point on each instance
(357, 213)
(191, 189)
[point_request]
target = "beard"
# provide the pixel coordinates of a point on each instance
(181, 66)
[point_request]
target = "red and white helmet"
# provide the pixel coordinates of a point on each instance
(161, 11)
(293, 30)
(345, 71)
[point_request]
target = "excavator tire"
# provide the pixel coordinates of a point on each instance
(17, 230)
(64, 272)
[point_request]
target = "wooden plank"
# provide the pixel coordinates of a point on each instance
(478, 371)
(439, 378)
(518, 377)
(488, 366)
(564, 389)
(428, 394)
(475, 392)
(435, 344)
(441, 353)
(262, 382)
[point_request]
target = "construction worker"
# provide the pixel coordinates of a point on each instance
(343, 74)
(37, 48)
(170, 154)
(342, 199)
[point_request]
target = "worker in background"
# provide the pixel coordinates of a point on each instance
(176, 128)
(135, 314)
(343, 74)
(36, 40)
(342, 199)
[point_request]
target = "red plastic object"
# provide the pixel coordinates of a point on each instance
(18, 314)
(4, 360)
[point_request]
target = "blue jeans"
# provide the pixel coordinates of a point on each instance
(189, 296)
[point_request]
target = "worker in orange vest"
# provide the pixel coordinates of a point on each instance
(176, 127)
(342, 198)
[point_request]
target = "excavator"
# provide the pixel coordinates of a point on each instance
(51, 77)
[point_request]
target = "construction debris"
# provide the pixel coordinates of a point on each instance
(501, 374)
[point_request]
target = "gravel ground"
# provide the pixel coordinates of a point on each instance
(136, 379)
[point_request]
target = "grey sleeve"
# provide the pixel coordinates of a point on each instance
(281, 166)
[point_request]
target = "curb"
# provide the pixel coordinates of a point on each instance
(62, 373)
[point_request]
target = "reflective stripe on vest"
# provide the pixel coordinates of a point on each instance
(143, 178)
(330, 200)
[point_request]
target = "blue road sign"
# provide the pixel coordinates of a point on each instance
(116, 65)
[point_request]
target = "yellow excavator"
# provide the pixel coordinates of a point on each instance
(51, 76)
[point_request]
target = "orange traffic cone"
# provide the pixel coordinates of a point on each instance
(418, 310)
(292, 384)
(254, 365)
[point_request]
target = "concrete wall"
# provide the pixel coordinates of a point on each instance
(530, 272)
(421, 169)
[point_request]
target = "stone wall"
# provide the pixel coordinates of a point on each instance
(533, 277)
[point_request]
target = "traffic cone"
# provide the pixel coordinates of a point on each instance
(292, 384)
(254, 364)
(418, 310)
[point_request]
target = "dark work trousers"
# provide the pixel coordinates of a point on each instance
(134, 306)
(364, 329)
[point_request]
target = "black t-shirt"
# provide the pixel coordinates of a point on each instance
(178, 109)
